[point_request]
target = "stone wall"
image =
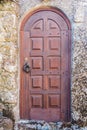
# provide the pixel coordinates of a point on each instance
(11, 15)
(9, 56)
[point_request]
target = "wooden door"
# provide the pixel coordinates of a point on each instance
(45, 46)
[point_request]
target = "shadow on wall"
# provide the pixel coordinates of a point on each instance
(6, 110)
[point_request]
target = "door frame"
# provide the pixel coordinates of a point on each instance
(59, 12)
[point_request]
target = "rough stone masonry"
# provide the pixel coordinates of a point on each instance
(11, 15)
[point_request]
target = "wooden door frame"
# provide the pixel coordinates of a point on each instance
(59, 12)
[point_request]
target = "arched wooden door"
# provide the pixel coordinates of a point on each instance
(45, 48)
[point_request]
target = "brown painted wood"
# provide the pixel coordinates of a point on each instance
(45, 42)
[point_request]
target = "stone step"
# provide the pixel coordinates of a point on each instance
(42, 125)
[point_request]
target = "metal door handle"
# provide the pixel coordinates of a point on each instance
(26, 67)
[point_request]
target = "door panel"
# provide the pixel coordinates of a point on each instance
(45, 44)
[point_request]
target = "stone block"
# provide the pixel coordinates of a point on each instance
(79, 13)
(6, 123)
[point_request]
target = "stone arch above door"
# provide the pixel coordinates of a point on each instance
(45, 46)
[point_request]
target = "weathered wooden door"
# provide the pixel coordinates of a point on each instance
(45, 49)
